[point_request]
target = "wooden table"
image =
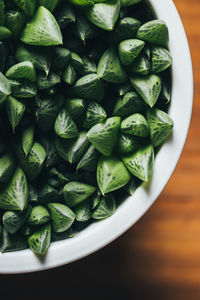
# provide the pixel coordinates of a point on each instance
(159, 257)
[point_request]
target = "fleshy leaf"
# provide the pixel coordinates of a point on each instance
(27, 139)
(33, 163)
(105, 209)
(23, 70)
(140, 163)
(125, 3)
(129, 50)
(128, 143)
(76, 192)
(110, 68)
(39, 215)
(89, 161)
(103, 136)
(111, 174)
(148, 87)
(40, 57)
(39, 241)
(135, 124)
(7, 164)
(62, 216)
(27, 6)
(104, 15)
(5, 89)
(161, 59)
(95, 114)
(43, 30)
(88, 87)
(129, 104)
(65, 127)
(160, 125)
(154, 32)
(15, 110)
(15, 195)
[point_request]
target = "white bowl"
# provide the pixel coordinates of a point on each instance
(100, 234)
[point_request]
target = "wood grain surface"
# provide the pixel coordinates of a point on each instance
(159, 257)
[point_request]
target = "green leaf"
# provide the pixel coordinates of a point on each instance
(161, 59)
(135, 124)
(75, 107)
(148, 87)
(32, 194)
(61, 58)
(125, 29)
(62, 216)
(129, 50)
(125, 3)
(69, 75)
(13, 220)
(5, 89)
(40, 57)
(46, 82)
(105, 209)
(89, 66)
(49, 4)
(76, 62)
(48, 193)
(110, 68)
(27, 6)
(7, 164)
(65, 126)
(128, 143)
(65, 15)
(140, 163)
(77, 148)
(83, 211)
(15, 110)
(47, 111)
(15, 21)
(89, 160)
(154, 32)
(39, 215)
(23, 88)
(160, 125)
(15, 195)
(111, 174)
(27, 139)
(84, 29)
(104, 15)
(23, 70)
(88, 87)
(129, 104)
(5, 33)
(52, 156)
(76, 192)
(33, 163)
(11, 242)
(132, 186)
(95, 114)
(104, 136)
(82, 2)
(39, 241)
(43, 30)
(142, 65)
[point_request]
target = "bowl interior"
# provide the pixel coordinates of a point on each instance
(101, 233)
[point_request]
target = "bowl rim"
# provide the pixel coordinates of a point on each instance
(99, 234)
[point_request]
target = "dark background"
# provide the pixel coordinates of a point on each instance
(159, 257)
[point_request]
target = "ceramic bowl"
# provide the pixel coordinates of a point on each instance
(102, 233)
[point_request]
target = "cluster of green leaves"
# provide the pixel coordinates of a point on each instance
(84, 90)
